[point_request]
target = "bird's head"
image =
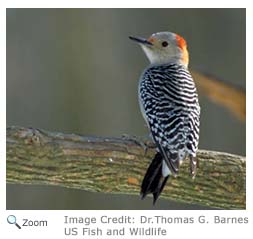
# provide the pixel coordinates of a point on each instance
(164, 47)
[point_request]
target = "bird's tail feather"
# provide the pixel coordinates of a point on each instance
(154, 181)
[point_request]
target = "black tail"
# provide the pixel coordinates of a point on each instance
(154, 181)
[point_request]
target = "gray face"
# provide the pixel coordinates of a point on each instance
(162, 47)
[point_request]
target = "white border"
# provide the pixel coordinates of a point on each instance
(249, 109)
(3, 108)
(125, 4)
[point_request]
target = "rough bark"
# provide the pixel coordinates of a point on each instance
(117, 165)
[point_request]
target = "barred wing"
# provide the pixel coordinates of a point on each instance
(170, 104)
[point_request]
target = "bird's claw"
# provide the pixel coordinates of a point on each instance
(137, 140)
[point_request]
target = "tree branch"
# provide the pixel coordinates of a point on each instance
(112, 165)
(223, 93)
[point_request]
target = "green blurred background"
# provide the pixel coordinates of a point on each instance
(76, 71)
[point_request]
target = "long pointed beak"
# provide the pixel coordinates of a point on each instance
(141, 40)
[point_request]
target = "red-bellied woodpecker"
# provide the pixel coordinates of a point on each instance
(169, 104)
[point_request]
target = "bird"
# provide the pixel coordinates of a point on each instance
(169, 104)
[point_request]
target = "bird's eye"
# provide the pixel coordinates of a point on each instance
(164, 43)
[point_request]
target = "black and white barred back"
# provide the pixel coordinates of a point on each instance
(169, 104)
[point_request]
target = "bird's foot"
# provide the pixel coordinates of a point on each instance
(137, 140)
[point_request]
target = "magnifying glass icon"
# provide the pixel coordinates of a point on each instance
(11, 219)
